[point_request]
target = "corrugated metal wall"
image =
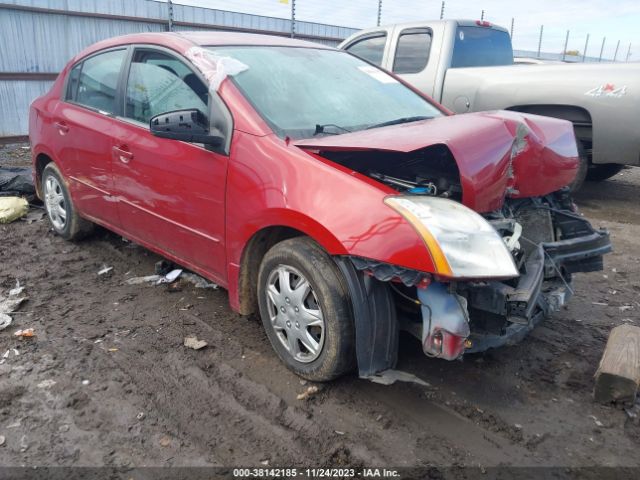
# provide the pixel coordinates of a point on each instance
(40, 36)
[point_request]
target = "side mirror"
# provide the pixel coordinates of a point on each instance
(186, 125)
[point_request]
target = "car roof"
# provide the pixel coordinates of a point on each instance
(182, 41)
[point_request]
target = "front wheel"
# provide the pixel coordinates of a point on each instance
(305, 310)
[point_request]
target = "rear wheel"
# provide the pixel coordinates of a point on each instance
(597, 173)
(62, 213)
(305, 310)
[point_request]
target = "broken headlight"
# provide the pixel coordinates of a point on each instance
(461, 242)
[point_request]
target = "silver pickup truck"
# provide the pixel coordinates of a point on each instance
(468, 66)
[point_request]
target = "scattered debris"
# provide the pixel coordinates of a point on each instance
(518, 426)
(5, 321)
(34, 216)
(624, 308)
(198, 281)
(389, 377)
(141, 280)
(2, 440)
(46, 383)
(26, 333)
(618, 376)
(85, 382)
(140, 415)
(165, 441)
(339, 432)
(104, 270)
(193, 342)
(264, 462)
(596, 421)
(17, 290)
(309, 392)
(600, 303)
(171, 276)
(112, 350)
(12, 208)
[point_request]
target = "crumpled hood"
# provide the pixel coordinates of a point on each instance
(498, 153)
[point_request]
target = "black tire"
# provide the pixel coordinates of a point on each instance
(603, 171)
(337, 353)
(583, 167)
(74, 226)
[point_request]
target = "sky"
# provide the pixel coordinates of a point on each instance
(613, 19)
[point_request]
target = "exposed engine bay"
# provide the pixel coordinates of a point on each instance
(428, 171)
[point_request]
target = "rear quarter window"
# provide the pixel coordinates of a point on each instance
(481, 47)
(97, 82)
(412, 51)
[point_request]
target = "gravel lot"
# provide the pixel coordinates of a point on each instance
(107, 380)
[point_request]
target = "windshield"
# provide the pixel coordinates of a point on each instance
(481, 47)
(296, 90)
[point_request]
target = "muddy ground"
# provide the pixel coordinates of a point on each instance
(107, 380)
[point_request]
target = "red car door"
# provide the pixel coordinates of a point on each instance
(171, 194)
(84, 122)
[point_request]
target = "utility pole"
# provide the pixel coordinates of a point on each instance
(442, 11)
(628, 52)
(380, 11)
(170, 7)
(604, 39)
(566, 43)
(615, 55)
(586, 44)
(482, 15)
(540, 40)
(293, 18)
(512, 22)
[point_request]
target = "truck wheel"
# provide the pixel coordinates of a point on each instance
(62, 213)
(583, 167)
(306, 311)
(597, 173)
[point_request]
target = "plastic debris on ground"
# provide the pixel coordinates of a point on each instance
(309, 392)
(5, 321)
(388, 377)
(170, 277)
(193, 342)
(16, 181)
(9, 304)
(104, 270)
(12, 208)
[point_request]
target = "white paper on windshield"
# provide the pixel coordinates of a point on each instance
(377, 74)
(214, 67)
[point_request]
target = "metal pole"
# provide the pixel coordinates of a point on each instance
(540, 40)
(293, 18)
(512, 22)
(442, 11)
(586, 44)
(380, 11)
(482, 15)
(566, 42)
(615, 55)
(629, 52)
(170, 7)
(602, 48)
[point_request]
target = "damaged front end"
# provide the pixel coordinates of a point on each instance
(547, 240)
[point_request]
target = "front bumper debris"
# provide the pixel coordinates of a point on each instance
(544, 287)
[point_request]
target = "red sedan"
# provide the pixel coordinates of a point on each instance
(319, 190)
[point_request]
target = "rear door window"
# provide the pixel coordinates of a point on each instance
(97, 83)
(370, 48)
(412, 51)
(481, 47)
(160, 83)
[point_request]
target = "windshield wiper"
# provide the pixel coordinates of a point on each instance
(398, 121)
(321, 129)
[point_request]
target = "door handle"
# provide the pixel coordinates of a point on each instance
(122, 153)
(62, 127)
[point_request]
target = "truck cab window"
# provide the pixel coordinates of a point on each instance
(370, 48)
(412, 51)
